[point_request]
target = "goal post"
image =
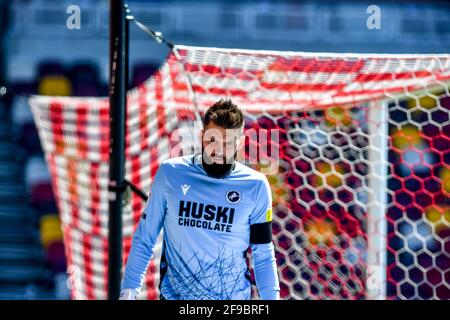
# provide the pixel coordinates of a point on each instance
(376, 222)
(361, 184)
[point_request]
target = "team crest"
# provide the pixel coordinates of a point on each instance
(233, 196)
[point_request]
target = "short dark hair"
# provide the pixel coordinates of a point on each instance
(225, 114)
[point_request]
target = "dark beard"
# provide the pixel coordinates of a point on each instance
(217, 170)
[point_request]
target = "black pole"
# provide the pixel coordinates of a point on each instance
(128, 17)
(117, 100)
(3, 26)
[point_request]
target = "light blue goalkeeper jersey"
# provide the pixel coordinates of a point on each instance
(208, 225)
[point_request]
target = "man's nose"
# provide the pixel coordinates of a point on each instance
(217, 149)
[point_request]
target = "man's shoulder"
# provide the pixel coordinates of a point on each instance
(249, 173)
(178, 162)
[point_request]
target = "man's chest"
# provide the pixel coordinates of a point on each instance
(221, 206)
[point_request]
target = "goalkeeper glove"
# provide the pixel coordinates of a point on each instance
(128, 294)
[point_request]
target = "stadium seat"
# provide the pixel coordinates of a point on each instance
(52, 242)
(21, 255)
(21, 274)
(84, 77)
(14, 191)
(5, 131)
(19, 252)
(9, 171)
(85, 90)
(21, 112)
(84, 72)
(42, 198)
(50, 67)
(10, 152)
(55, 86)
(24, 87)
(141, 72)
(62, 291)
(51, 231)
(55, 257)
(29, 139)
(36, 171)
(11, 213)
(29, 235)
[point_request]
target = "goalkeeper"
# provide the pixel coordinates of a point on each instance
(212, 209)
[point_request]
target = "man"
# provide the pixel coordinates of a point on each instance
(211, 209)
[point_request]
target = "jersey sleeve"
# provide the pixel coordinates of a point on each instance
(147, 233)
(265, 270)
(263, 251)
(261, 217)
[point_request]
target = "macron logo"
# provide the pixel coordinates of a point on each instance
(185, 188)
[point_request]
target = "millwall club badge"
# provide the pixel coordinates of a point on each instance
(233, 196)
